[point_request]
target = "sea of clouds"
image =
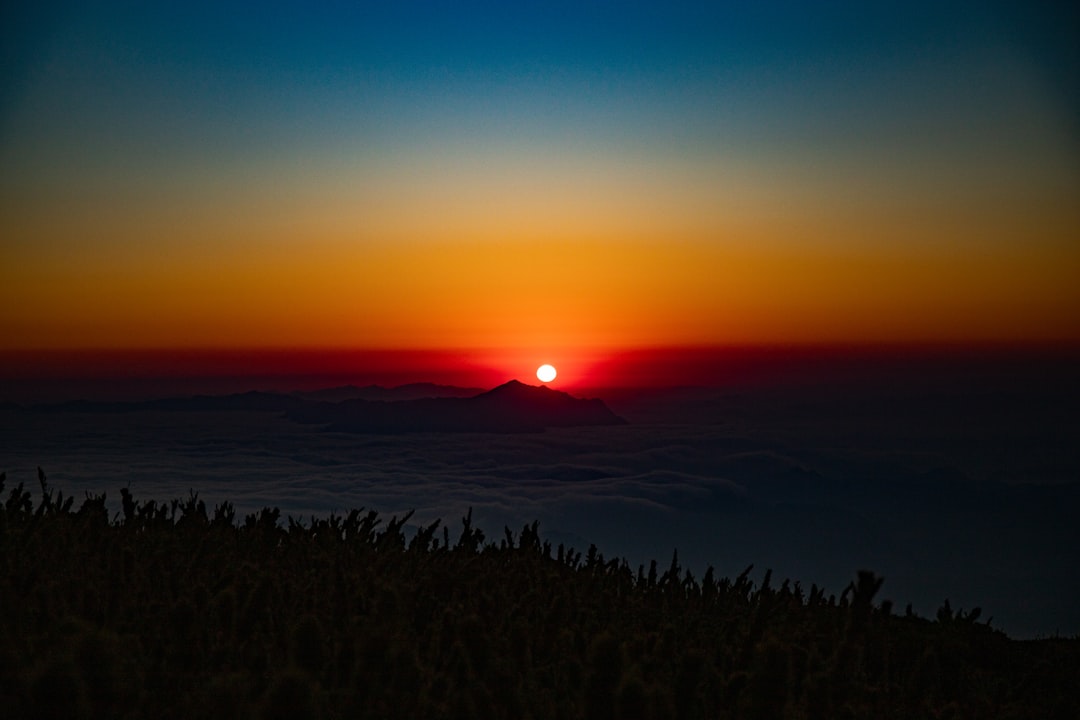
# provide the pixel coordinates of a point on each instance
(973, 499)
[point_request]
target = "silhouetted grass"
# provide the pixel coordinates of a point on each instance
(169, 610)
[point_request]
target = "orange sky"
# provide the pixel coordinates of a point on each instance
(159, 188)
(784, 281)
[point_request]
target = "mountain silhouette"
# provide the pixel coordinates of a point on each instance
(253, 401)
(509, 408)
(410, 391)
(423, 407)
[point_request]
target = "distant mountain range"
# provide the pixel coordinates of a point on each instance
(412, 391)
(421, 407)
(512, 407)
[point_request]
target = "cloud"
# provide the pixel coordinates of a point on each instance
(797, 495)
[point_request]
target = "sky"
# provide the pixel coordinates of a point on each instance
(537, 179)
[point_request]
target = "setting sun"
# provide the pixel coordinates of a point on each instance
(545, 373)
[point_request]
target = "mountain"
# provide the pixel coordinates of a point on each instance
(509, 408)
(265, 401)
(410, 391)
(248, 401)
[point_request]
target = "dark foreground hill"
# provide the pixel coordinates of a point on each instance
(170, 611)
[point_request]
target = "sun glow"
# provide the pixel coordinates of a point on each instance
(545, 373)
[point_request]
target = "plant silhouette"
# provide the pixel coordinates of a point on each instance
(173, 610)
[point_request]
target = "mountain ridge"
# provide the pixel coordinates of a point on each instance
(507, 408)
(408, 391)
(511, 407)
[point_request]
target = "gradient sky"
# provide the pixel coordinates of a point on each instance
(520, 176)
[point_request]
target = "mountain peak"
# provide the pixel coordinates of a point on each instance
(515, 386)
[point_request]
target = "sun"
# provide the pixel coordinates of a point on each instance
(546, 373)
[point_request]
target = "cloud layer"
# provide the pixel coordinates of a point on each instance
(812, 489)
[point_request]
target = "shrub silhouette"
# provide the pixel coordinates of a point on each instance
(174, 610)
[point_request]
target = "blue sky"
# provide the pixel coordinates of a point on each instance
(877, 126)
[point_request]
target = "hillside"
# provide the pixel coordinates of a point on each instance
(168, 610)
